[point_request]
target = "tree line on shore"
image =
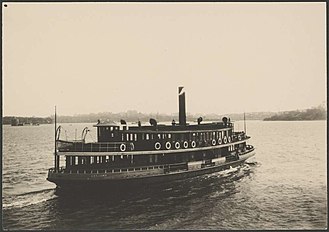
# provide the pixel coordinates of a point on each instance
(7, 120)
(315, 113)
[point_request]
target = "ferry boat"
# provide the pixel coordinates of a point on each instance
(155, 153)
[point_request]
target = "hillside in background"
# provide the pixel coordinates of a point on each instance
(315, 113)
(134, 116)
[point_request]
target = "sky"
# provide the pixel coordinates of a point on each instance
(114, 57)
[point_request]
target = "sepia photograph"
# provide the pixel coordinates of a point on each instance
(164, 116)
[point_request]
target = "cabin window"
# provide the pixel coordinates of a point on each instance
(111, 128)
(131, 137)
(127, 136)
(112, 135)
(147, 136)
(152, 136)
(159, 136)
(135, 137)
(163, 136)
(169, 136)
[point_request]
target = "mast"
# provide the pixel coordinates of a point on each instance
(55, 153)
(244, 120)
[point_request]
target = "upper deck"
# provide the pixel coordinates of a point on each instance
(107, 132)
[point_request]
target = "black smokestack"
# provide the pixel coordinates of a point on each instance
(182, 111)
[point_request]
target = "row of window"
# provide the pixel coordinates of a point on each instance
(184, 136)
(73, 160)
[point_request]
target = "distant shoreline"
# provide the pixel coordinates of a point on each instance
(316, 113)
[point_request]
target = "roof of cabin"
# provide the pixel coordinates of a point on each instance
(166, 127)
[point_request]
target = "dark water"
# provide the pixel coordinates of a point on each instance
(285, 187)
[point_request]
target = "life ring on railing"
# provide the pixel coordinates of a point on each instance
(177, 145)
(193, 144)
(219, 141)
(239, 137)
(229, 139)
(122, 147)
(185, 144)
(157, 146)
(225, 139)
(213, 142)
(168, 145)
(132, 146)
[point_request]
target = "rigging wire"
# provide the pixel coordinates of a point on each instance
(92, 137)
(65, 134)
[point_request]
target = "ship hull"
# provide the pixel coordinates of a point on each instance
(107, 181)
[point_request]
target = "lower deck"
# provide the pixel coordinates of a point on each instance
(74, 164)
(147, 174)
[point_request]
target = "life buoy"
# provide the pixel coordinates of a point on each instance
(157, 146)
(225, 139)
(213, 142)
(168, 145)
(177, 145)
(185, 144)
(219, 141)
(193, 144)
(122, 147)
(229, 139)
(239, 137)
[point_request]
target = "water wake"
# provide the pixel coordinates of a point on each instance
(27, 199)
